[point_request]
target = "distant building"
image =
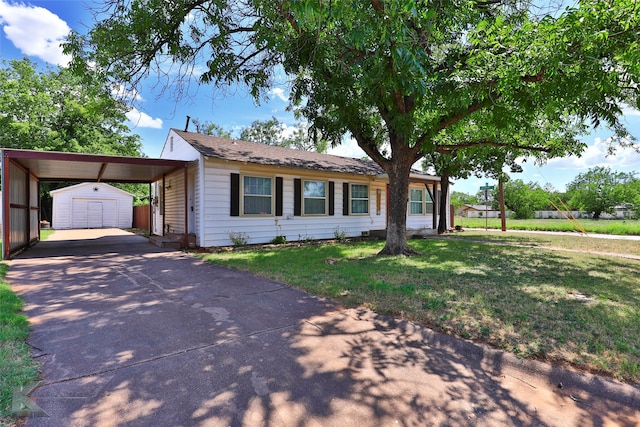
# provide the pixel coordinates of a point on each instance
(479, 211)
(91, 205)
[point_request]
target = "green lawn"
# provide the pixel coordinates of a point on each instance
(17, 368)
(568, 241)
(604, 226)
(559, 306)
(44, 234)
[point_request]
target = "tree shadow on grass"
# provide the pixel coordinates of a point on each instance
(533, 302)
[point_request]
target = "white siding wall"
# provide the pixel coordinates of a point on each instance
(198, 206)
(418, 222)
(425, 221)
(174, 203)
(218, 223)
(176, 148)
(70, 206)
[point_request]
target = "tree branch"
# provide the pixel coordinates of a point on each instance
(446, 121)
(377, 6)
(289, 17)
(370, 148)
(450, 149)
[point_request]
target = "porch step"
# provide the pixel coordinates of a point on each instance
(173, 242)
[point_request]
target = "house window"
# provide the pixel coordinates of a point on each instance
(315, 197)
(416, 202)
(359, 199)
(429, 205)
(257, 195)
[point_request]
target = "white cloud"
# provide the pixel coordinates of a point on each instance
(628, 110)
(596, 155)
(287, 131)
(35, 31)
(143, 120)
(121, 92)
(348, 148)
(279, 93)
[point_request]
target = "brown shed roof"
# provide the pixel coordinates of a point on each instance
(251, 152)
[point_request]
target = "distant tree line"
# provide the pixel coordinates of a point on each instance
(598, 191)
(270, 132)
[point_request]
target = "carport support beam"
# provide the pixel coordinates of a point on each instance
(150, 211)
(6, 206)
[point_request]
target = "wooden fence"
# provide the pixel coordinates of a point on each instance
(141, 217)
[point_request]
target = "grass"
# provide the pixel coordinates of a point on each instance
(601, 226)
(563, 307)
(44, 234)
(559, 241)
(17, 368)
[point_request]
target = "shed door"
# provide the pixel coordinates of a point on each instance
(88, 214)
(94, 215)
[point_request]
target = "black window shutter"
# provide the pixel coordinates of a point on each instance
(278, 196)
(345, 198)
(235, 194)
(297, 197)
(332, 196)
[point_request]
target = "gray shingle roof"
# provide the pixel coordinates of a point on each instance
(251, 152)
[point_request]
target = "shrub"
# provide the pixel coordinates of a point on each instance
(239, 238)
(279, 240)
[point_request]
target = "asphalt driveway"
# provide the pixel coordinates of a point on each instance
(129, 334)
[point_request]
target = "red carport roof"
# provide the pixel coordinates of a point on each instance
(57, 166)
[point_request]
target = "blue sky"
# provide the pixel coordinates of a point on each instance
(35, 28)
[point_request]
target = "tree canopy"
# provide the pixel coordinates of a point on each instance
(274, 132)
(524, 199)
(394, 74)
(459, 199)
(600, 190)
(209, 128)
(56, 111)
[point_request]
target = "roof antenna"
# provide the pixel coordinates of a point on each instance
(186, 126)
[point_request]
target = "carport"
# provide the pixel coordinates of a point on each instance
(24, 170)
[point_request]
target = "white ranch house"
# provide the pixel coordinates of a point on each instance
(237, 187)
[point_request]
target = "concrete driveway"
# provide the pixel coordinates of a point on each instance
(129, 334)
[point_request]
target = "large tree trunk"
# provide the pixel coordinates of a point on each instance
(443, 206)
(397, 222)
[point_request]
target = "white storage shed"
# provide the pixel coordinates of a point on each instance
(91, 205)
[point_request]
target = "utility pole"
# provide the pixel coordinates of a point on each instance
(503, 215)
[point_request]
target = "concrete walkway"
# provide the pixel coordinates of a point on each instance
(132, 335)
